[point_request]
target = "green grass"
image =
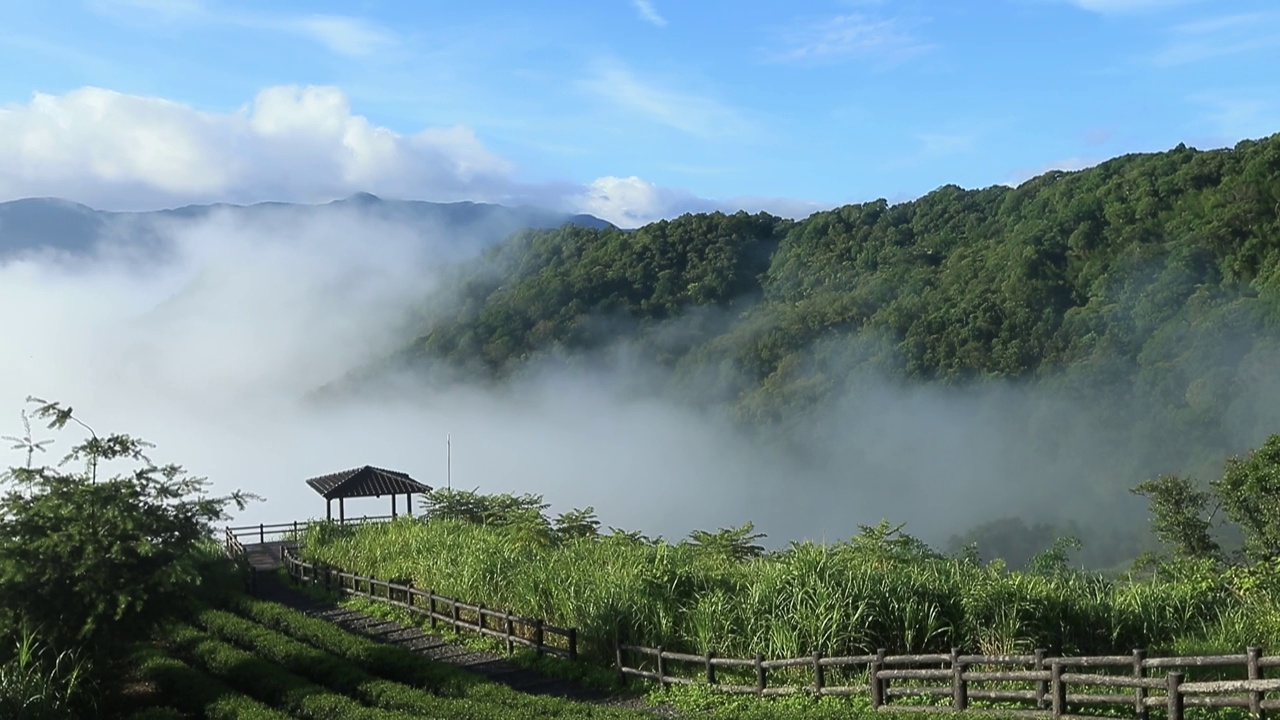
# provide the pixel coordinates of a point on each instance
(366, 659)
(848, 598)
(266, 681)
(186, 689)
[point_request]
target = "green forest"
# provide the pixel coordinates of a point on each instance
(1146, 289)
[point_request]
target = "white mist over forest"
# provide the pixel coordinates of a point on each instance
(210, 350)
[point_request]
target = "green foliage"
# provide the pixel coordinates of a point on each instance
(880, 589)
(196, 693)
(37, 682)
(730, 543)
(577, 524)
(1055, 560)
(1180, 516)
(1250, 494)
(382, 675)
(265, 681)
(89, 566)
(1147, 288)
(98, 563)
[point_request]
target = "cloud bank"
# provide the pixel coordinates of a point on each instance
(212, 350)
(300, 144)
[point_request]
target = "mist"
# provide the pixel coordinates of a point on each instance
(211, 350)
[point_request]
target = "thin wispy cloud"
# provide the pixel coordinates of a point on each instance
(1238, 113)
(344, 35)
(648, 13)
(1219, 37)
(353, 37)
(1117, 7)
(853, 36)
(691, 113)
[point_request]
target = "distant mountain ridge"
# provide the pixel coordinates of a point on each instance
(35, 223)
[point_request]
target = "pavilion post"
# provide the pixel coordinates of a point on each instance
(408, 504)
(393, 506)
(342, 510)
(328, 509)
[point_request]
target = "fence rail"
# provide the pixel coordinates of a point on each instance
(275, 531)
(1051, 686)
(1056, 689)
(500, 624)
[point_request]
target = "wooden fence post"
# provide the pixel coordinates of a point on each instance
(1252, 656)
(617, 654)
(431, 606)
(1042, 687)
(1140, 694)
(959, 688)
(819, 674)
(1174, 681)
(662, 670)
(573, 644)
(711, 668)
(1058, 687)
(453, 611)
(262, 534)
(507, 628)
(480, 617)
(878, 684)
(760, 679)
(538, 637)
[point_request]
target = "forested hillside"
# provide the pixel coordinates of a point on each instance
(1147, 288)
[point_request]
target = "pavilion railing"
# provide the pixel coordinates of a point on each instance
(235, 538)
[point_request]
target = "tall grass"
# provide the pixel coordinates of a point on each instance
(845, 598)
(36, 683)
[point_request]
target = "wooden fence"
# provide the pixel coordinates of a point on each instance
(951, 675)
(503, 625)
(1045, 686)
(281, 531)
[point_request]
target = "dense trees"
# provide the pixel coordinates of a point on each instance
(1146, 263)
(1146, 288)
(90, 564)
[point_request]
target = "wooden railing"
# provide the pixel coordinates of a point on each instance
(952, 674)
(277, 531)
(460, 616)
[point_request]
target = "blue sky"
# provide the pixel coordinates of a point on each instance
(628, 108)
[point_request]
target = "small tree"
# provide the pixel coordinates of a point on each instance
(734, 543)
(1250, 495)
(1180, 516)
(97, 564)
(577, 523)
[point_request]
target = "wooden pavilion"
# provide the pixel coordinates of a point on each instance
(367, 481)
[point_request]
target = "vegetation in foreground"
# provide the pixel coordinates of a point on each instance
(722, 592)
(91, 564)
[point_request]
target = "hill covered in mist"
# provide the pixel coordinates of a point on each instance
(1126, 312)
(34, 224)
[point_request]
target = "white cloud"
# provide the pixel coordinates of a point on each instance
(635, 201)
(300, 144)
(689, 112)
(1220, 36)
(1109, 7)
(353, 37)
(1238, 113)
(648, 13)
(109, 149)
(850, 36)
(341, 34)
(940, 144)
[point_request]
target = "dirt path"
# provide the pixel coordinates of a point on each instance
(490, 666)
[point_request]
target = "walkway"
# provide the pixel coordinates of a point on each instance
(265, 557)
